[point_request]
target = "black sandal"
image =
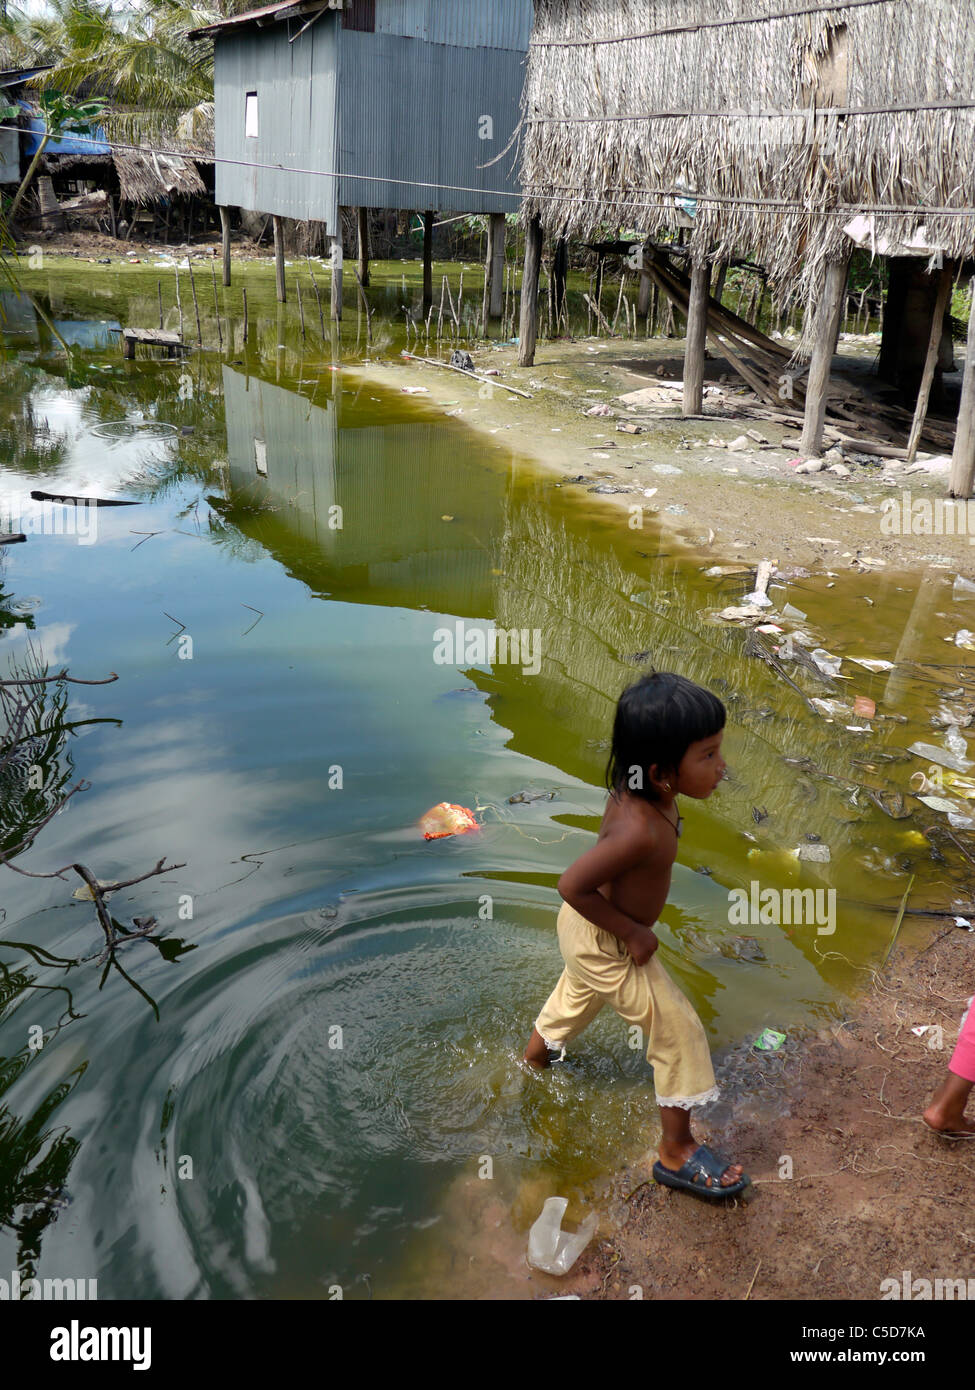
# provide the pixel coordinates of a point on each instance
(693, 1175)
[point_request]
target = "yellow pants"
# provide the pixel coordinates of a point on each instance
(599, 970)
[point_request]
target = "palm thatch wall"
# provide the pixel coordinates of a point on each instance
(781, 125)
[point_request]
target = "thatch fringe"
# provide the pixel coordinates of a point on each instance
(775, 187)
(145, 177)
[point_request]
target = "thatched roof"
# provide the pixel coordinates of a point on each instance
(145, 176)
(781, 126)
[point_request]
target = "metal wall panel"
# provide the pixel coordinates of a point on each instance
(466, 23)
(295, 85)
(411, 114)
(408, 113)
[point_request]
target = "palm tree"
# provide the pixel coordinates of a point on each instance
(158, 82)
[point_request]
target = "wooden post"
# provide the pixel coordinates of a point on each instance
(301, 312)
(560, 275)
(279, 259)
(528, 330)
(225, 236)
(697, 327)
(321, 317)
(216, 306)
(159, 292)
(719, 281)
(930, 361)
(826, 330)
(196, 303)
(245, 315)
(493, 306)
(179, 302)
(963, 456)
(427, 261)
(364, 247)
(335, 256)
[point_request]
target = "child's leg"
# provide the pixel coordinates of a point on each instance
(576, 999)
(677, 1049)
(570, 1007)
(947, 1109)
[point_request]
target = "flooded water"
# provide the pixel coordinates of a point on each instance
(309, 1080)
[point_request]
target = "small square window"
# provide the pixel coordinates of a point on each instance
(250, 114)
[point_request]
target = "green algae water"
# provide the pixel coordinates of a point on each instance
(306, 1082)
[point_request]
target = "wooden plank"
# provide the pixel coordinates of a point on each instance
(152, 335)
(930, 361)
(11, 537)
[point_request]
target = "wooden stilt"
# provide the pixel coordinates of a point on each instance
(827, 327)
(245, 316)
(493, 307)
(335, 256)
(216, 305)
(279, 258)
(719, 280)
(196, 303)
(528, 331)
(159, 292)
(225, 241)
(301, 311)
(930, 361)
(643, 293)
(318, 298)
(697, 325)
(179, 302)
(963, 456)
(364, 247)
(560, 275)
(427, 261)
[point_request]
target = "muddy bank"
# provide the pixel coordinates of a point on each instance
(741, 503)
(872, 1192)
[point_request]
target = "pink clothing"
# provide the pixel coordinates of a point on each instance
(963, 1058)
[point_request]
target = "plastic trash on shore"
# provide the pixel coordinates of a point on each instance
(447, 819)
(768, 1040)
(826, 662)
(941, 756)
(552, 1249)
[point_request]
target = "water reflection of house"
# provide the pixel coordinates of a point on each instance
(395, 477)
(605, 602)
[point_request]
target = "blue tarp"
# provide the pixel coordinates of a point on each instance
(94, 143)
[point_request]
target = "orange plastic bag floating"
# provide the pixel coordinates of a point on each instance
(446, 819)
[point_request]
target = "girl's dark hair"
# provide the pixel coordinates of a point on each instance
(657, 719)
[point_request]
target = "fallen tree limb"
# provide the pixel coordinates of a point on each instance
(472, 376)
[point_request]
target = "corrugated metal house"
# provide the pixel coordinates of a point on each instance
(369, 103)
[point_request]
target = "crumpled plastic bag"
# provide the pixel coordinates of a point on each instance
(552, 1249)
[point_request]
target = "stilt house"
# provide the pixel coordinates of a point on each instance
(784, 131)
(403, 104)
